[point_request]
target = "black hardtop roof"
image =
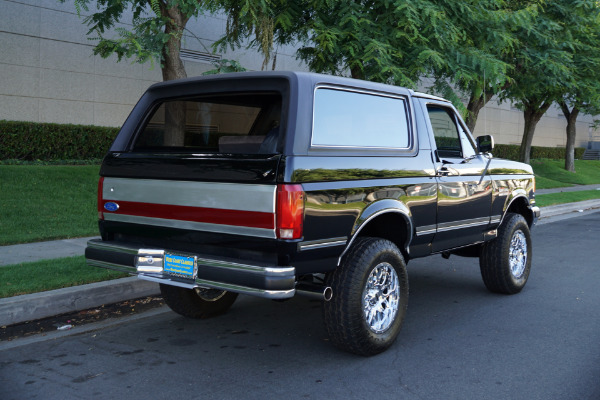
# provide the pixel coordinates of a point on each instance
(300, 78)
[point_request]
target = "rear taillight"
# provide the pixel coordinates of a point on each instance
(100, 205)
(290, 211)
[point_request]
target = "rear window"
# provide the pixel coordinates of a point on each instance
(359, 120)
(241, 123)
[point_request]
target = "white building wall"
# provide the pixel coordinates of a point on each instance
(48, 73)
(506, 124)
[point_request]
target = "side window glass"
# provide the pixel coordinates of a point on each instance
(359, 120)
(445, 132)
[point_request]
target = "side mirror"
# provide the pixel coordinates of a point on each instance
(485, 144)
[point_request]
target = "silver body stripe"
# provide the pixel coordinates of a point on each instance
(228, 196)
(448, 226)
(195, 226)
(320, 244)
(426, 229)
(465, 223)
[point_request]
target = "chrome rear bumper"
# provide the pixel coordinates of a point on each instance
(272, 282)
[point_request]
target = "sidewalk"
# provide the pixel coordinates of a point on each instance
(575, 188)
(29, 307)
(29, 252)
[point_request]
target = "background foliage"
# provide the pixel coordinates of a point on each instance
(30, 141)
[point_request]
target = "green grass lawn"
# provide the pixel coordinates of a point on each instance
(53, 274)
(543, 200)
(47, 202)
(552, 174)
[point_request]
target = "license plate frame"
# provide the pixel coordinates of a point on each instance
(181, 266)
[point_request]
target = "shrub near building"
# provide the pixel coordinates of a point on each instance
(30, 141)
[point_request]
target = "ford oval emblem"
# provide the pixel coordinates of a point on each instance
(110, 206)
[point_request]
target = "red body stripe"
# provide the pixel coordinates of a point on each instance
(253, 219)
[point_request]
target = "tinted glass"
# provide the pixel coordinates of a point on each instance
(245, 123)
(350, 119)
(445, 132)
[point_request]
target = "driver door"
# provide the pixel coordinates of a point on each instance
(464, 186)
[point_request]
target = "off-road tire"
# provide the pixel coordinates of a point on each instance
(344, 316)
(496, 255)
(197, 303)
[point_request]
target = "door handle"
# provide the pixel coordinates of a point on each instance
(443, 171)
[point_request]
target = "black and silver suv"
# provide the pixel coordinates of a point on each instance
(284, 183)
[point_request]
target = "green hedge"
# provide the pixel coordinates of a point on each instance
(30, 141)
(511, 152)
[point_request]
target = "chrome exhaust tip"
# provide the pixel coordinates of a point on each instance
(314, 291)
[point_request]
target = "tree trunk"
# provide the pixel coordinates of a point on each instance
(172, 67)
(356, 72)
(475, 105)
(571, 117)
(532, 115)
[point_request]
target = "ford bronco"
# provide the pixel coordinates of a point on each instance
(283, 183)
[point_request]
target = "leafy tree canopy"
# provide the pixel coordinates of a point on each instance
(156, 33)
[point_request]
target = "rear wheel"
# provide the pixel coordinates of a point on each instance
(198, 302)
(370, 297)
(505, 262)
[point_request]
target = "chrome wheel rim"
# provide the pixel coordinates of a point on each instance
(517, 257)
(209, 294)
(381, 297)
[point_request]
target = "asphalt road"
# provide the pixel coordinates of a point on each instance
(458, 342)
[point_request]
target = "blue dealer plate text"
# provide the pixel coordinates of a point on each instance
(179, 265)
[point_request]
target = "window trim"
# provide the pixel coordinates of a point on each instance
(458, 121)
(407, 111)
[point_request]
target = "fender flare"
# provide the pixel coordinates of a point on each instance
(375, 210)
(515, 195)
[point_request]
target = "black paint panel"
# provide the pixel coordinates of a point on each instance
(186, 167)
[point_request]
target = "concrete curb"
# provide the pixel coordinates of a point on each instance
(14, 310)
(559, 209)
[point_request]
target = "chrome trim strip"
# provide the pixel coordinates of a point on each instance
(466, 223)
(268, 294)
(190, 225)
(426, 230)
(495, 219)
(229, 196)
(320, 244)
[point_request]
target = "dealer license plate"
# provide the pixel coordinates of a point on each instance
(180, 266)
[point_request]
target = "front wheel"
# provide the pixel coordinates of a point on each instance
(370, 292)
(197, 303)
(505, 262)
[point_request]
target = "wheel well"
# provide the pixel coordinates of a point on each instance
(391, 226)
(521, 206)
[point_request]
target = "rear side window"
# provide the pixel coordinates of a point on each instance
(241, 123)
(359, 120)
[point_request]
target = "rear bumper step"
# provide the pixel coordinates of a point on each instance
(272, 282)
